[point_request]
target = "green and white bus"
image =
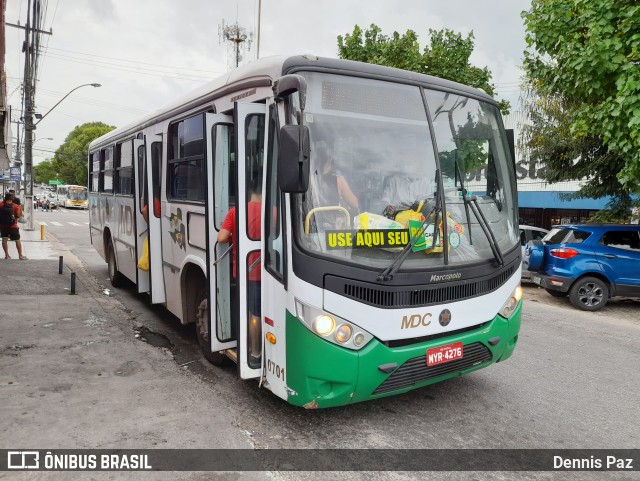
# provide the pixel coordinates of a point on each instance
(386, 256)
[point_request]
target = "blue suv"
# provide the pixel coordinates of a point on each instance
(588, 262)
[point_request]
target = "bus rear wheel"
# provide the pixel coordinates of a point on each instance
(202, 329)
(115, 276)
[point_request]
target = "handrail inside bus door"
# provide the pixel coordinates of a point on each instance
(224, 254)
(321, 209)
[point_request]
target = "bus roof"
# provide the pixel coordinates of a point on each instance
(269, 69)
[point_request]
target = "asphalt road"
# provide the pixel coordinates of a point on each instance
(571, 383)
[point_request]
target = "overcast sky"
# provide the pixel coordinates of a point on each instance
(145, 53)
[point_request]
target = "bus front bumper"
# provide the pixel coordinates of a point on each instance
(322, 374)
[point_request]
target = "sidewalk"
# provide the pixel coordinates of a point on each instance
(73, 374)
(32, 246)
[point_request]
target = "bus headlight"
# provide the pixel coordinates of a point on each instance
(343, 333)
(510, 306)
(324, 325)
(332, 328)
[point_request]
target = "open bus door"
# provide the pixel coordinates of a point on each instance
(219, 133)
(153, 156)
(251, 134)
(141, 196)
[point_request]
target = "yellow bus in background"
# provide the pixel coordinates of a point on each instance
(72, 196)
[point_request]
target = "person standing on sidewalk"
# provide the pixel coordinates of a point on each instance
(9, 215)
(16, 200)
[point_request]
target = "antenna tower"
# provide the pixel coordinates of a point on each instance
(238, 42)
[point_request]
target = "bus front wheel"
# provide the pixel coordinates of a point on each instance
(202, 329)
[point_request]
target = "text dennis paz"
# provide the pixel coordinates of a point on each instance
(608, 462)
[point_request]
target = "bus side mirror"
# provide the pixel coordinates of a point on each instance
(293, 159)
(290, 84)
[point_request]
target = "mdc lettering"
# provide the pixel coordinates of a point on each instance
(416, 320)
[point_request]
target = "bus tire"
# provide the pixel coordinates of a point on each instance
(115, 276)
(202, 329)
(589, 294)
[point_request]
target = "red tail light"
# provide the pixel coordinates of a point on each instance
(563, 253)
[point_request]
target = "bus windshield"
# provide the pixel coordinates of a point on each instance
(374, 175)
(77, 193)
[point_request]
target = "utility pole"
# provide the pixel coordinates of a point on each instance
(259, 14)
(30, 47)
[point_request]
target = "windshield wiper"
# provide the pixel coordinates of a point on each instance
(479, 215)
(387, 274)
(486, 228)
(465, 199)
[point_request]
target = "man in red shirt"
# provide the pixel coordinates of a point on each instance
(11, 232)
(228, 234)
(228, 231)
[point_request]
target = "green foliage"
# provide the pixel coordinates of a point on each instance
(583, 65)
(44, 172)
(447, 56)
(70, 159)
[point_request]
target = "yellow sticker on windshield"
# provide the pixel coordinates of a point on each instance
(366, 239)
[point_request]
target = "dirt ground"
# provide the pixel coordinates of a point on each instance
(618, 308)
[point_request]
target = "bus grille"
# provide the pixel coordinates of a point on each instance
(417, 296)
(416, 370)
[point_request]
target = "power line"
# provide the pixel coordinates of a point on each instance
(123, 68)
(137, 62)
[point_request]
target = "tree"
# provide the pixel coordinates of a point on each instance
(70, 159)
(583, 67)
(447, 56)
(44, 172)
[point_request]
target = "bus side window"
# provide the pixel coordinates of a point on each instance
(224, 172)
(254, 148)
(142, 179)
(185, 173)
(156, 167)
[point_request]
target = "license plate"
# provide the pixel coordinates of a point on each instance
(536, 279)
(442, 354)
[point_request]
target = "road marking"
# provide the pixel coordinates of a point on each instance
(57, 224)
(75, 224)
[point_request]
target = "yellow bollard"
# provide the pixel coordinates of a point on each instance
(41, 231)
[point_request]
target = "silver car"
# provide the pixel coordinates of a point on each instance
(527, 233)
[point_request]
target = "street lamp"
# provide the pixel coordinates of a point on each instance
(29, 127)
(41, 117)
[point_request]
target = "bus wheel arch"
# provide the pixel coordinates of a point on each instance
(195, 304)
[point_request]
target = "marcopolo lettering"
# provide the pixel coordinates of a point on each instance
(445, 277)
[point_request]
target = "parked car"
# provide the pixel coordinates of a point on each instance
(588, 262)
(529, 233)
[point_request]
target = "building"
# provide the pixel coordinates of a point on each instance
(5, 111)
(540, 203)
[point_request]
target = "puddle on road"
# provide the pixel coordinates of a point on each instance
(153, 338)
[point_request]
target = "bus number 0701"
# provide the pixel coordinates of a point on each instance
(273, 368)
